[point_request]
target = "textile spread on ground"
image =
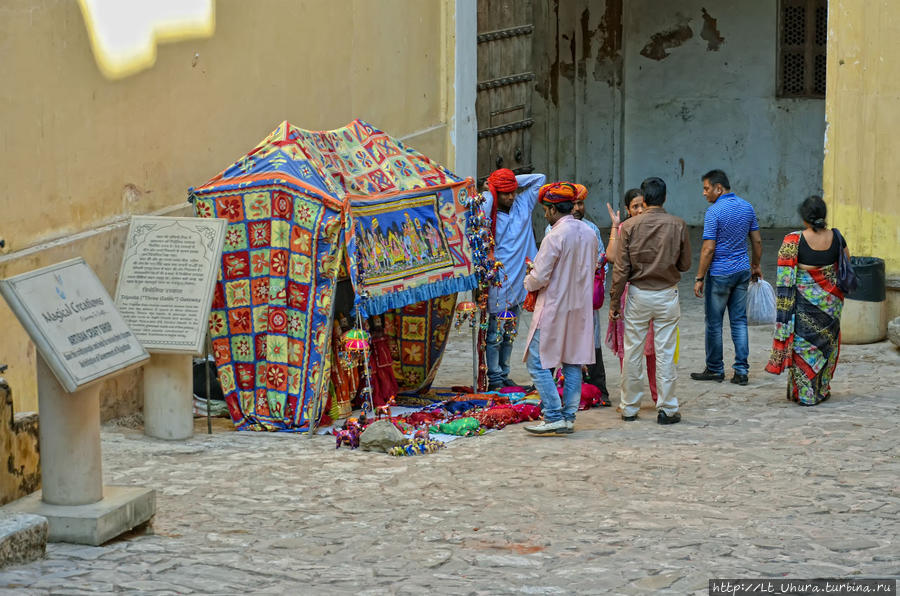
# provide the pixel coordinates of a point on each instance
(301, 207)
(429, 420)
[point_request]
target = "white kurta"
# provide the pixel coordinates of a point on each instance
(563, 275)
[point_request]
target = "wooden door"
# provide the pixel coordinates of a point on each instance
(503, 104)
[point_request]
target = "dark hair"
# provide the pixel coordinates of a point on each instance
(564, 207)
(813, 211)
(717, 177)
(630, 195)
(654, 191)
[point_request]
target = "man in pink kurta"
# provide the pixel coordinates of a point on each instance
(561, 332)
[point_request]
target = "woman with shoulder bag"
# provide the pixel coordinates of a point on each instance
(809, 304)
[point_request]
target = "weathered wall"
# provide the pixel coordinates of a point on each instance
(81, 152)
(578, 97)
(20, 470)
(699, 88)
(102, 248)
(861, 179)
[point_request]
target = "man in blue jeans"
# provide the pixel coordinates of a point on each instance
(594, 374)
(510, 199)
(561, 331)
(726, 271)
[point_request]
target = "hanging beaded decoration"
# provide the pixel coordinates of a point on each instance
(465, 311)
(360, 346)
(489, 271)
(509, 321)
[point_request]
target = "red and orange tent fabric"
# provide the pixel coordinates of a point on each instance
(306, 208)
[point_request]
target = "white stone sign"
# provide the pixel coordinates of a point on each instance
(167, 280)
(73, 322)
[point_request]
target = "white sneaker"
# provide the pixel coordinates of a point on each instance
(546, 428)
(570, 426)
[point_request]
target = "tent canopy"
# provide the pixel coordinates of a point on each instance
(302, 207)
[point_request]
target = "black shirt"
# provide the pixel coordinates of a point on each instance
(819, 258)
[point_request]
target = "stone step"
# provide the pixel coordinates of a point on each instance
(23, 538)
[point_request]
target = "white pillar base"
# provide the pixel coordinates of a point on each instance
(73, 499)
(121, 509)
(169, 397)
(69, 434)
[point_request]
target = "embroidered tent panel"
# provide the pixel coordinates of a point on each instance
(273, 302)
(419, 334)
(300, 205)
(366, 161)
(411, 247)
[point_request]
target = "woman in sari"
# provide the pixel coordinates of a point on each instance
(615, 333)
(809, 304)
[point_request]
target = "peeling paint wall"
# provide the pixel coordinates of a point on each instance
(578, 96)
(20, 469)
(699, 93)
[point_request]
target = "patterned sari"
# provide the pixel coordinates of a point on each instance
(807, 326)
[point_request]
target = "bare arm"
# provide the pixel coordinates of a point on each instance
(707, 251)
(529, 185)
(756, 251)
(613, 232)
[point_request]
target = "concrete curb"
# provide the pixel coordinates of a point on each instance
(23, 538)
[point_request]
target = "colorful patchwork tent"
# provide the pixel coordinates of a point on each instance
(304, 209)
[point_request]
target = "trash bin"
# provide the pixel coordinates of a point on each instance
(864, 319)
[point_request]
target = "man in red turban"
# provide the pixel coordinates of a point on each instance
(509, 201)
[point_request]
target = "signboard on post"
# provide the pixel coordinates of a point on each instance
(73, 322)
(167, 280)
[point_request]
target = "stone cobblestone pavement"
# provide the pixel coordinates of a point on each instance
(748, 485)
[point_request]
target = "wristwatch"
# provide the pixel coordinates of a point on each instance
(698, 279)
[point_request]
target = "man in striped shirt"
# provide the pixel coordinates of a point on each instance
(725, 270)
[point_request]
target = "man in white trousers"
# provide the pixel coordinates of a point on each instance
(652, 252)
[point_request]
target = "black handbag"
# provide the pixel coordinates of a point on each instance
(846, 276)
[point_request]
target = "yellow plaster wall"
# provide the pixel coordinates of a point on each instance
(862, 107)
(19, 451)
(80, 151)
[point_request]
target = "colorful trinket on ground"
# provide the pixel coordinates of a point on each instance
(416, 447)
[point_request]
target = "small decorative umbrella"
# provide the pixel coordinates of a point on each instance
(465, 311)
(356, 340)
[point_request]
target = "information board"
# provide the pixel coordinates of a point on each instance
(73, 322)
(167, 280)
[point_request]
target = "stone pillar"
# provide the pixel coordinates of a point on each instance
(74, 501)
(69, 433)
(168, 396)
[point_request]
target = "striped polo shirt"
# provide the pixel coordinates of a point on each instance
(729, 221)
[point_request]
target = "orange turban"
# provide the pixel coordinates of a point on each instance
(580, 192)
(558, 192)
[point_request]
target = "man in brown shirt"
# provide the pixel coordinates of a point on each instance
(652, 251)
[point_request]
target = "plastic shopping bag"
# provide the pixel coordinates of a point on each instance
(760, 303)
